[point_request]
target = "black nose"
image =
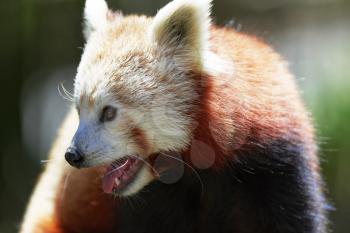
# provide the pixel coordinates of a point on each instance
(74, 157)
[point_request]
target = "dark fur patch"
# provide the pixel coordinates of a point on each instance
(268, 188)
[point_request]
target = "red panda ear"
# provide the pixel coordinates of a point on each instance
(181, 28)
(96, 16)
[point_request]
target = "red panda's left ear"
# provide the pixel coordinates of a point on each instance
(96, 16)
(181, 28)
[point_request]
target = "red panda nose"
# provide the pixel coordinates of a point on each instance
(74, 157)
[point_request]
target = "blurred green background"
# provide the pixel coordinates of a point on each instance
(41, 44)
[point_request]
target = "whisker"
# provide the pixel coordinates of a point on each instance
(113, 164)
(65, 94)
(193, 169)
(65, 184)
(66, 91)
(147, 164)
(49, 160)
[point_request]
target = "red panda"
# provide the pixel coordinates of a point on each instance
(179, 125)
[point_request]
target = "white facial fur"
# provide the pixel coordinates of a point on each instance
(141, 66)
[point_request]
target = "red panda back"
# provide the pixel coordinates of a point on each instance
(258, 102)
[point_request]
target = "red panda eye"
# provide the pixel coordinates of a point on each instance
(108, 113)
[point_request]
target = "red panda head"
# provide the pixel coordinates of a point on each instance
(137, 88)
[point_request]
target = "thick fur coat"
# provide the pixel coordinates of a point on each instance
(216, 109)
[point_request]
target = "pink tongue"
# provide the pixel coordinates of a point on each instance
(108, 181)
(118, 176)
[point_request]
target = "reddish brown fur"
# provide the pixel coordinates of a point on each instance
(252, 102)
(232, 107)
(84, 203)
(258, 101)
(49, 226)
(140, 139)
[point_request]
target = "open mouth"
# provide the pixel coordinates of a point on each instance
(120, 174)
